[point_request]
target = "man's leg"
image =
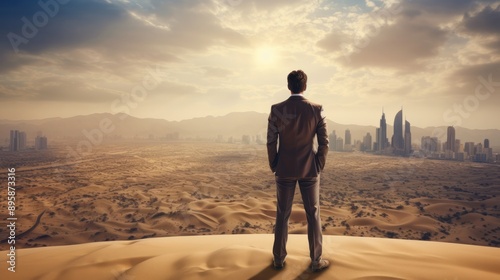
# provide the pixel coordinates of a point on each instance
(285, 189)
(309, 188)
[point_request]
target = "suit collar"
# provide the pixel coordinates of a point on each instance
(297, 97)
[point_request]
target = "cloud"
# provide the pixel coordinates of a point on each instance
(334, 41)
(216, 72)
(77, 23)
(113, 30)
(486, 22)
(470, 74)
(86, 44)
(262, 5)
(403, 45)
(439, 8)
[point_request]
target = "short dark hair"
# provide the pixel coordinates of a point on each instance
(297, 81)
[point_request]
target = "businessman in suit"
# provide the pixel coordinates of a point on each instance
(292, 126)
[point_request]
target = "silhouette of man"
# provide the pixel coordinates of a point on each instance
(292, 126)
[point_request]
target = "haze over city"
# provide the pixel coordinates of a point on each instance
(438, 59)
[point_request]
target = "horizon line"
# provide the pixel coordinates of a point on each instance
(218, 116)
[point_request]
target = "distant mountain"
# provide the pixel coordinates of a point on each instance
(231, 125)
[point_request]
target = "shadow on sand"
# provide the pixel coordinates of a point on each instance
(286, 273)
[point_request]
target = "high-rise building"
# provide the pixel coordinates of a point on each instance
(17, 140)
(489, 154)
(41, 143)
(347, 137)
(457, 146)
(382, 137)
(486, 143)
(333, 141)
(469, 148)
(22, 140)
(450, 139)
(14, 144)
(398, 142)
(367, 142)
(428, 144)
(407, 138)
(478, 149)
(340, 144)
(377, 136)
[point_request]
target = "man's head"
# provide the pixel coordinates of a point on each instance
(297, 81)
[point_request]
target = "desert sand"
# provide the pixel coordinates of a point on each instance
(248, 257)
(131, 195)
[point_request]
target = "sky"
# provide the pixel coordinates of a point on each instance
(175, 60)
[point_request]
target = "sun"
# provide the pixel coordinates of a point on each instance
(265, 55)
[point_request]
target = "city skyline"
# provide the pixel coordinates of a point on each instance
(179, 60)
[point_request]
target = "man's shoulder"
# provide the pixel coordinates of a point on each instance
(314, 104)
(303, 100)
(302, 103)
(281, 103)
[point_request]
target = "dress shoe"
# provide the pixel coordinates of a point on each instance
(319, 265)
(278, 265)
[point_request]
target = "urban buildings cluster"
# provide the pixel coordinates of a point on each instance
(18, 141)
(401, 143)
(348, 145)
(453, 149)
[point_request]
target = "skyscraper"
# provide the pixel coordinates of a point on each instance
(340, 144)
(14, 136)
(457, 146)
(382, 135)
(469, 148)
(347, 137)
(22, 140)
(429, 144)
(17, 140)
(486, 143)
(450, 139)
(333, 141)
(398, 142)
(367, 142)
(407, 138)
(41, 143)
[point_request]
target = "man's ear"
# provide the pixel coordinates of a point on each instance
(289, 88)
(305, 87)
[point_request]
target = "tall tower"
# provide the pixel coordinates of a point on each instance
(347, 137)
(14, 140)
(340, 144)
(486, 143)
(450, 139)
(398, 142)
(333, 141)
(21, 140)
(382, 139)
(367, 142)
(407, 138)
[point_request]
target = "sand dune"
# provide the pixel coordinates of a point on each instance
(151, 204)
(248, 256)
(128, 191)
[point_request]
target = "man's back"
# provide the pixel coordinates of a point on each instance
(292, 126)
(295, 122)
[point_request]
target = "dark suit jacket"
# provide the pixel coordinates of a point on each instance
(292, 125)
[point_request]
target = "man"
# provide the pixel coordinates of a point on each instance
(292, 126)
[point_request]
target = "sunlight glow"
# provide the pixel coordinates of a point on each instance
(265, 55)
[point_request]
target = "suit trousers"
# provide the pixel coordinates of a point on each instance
(309, 189)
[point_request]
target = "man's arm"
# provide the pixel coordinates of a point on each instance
(322, 135)
(272, 140)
